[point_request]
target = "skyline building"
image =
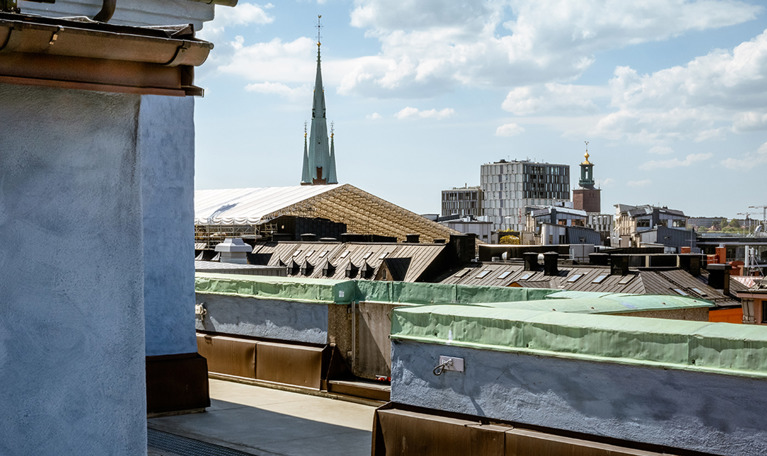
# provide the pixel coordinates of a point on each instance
(508, 187)
(587, 198)
(319, 154)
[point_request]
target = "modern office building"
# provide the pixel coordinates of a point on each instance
(510, 186)
(462, 201)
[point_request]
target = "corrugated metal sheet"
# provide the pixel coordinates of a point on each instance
(593, 279)
(362, 212)
(248, 206)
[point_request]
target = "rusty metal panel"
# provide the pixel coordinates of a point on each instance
(176, 383)
(297, 365)
(400, 432)
(372, 348)
(228, 355)
(524, 442)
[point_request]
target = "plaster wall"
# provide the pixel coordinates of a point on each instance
(166, 145)
(129, 12)
(71, 274)
(715, 414)
(265, 318)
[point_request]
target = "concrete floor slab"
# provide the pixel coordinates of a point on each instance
(265, 421)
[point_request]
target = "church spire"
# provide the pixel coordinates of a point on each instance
(319, 160)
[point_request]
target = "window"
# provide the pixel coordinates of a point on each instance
(699, 291)
(345, 254)
(462, 273)
(764, 311)
(600, 279)
(322, 255)
(626, 280)
(311, 252)
(298, 252)
(383, 255)
(484, 273)
(367, 255)
(504, 275)
(574, 278)
(680, 292)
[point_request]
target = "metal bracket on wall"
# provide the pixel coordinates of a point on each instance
(200, 311)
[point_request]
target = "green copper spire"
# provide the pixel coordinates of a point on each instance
(587, 171)
(319, 161)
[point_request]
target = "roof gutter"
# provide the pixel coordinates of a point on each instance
(98, 56)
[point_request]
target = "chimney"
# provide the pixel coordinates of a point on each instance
(464, 246)
(691, 263)
(599, 259)
(619, 264)
(413, 238)
(550, 263)
(531, 261)
(234, 250)
(719, 277)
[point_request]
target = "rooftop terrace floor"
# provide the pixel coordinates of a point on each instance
(253, 420)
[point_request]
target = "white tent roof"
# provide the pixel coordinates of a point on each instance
(248, 206)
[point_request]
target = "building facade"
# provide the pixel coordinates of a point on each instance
(462, 201)
(510, 186)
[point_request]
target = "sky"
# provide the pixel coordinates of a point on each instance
(670, 94)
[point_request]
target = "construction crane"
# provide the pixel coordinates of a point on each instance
(748, 219)
(764, 214)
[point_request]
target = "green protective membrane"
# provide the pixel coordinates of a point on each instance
(722, 348)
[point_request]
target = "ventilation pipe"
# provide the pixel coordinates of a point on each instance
(107, 10)
(550, 263)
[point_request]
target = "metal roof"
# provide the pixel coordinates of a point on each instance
(249, 206)
(362, 212)
(407, 262)
(592, 279)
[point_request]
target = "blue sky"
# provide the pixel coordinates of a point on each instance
(670, 94)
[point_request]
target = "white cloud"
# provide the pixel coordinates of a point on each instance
(750, 121)
(552, 98)
(606, 182)
(436, 45)
(675, 162)
(274, 61)
(510, 129)
(242, 14)
(696, 101)
(410, 112)
(639, 183)
(749, 160)
(661, 150)
(276, 88)
(373, 116)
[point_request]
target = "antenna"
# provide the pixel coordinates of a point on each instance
(319, 26)
(587, 145)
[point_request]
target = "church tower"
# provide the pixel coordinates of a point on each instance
(587, 198)
(319, 154)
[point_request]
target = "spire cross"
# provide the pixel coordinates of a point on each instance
(319, 26)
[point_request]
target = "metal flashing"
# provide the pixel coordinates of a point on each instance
(82, 54)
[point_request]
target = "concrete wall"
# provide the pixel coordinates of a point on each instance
(71, 286)
(716, 414)
(266, 318)
(166, 144)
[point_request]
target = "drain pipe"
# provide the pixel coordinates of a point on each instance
(107, 10)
